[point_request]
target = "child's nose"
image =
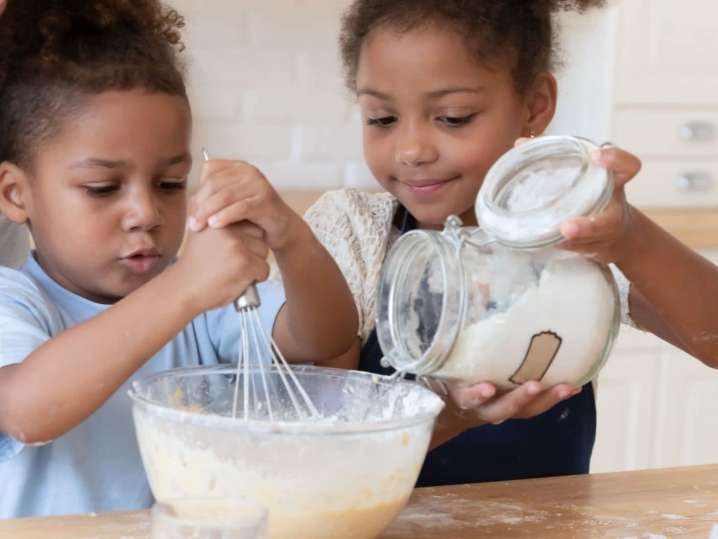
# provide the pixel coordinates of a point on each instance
(415, 146)
(143, 212)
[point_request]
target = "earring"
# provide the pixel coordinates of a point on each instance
(532, 133)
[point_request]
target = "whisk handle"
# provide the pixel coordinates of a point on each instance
(250, 299)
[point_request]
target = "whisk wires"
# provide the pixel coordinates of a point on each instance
(260, 357)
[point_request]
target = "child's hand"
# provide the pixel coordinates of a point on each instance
(603, 237)
(235, 191)
(481, 404)
(220, 265)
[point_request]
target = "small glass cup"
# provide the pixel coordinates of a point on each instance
(209, 518)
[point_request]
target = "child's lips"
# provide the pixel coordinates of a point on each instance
(425, 187)
(141, 263)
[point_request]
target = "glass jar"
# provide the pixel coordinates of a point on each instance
(500, 303)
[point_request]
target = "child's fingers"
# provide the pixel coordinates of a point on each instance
(622, 164)
(213, 166)
(467, 397)
(579, 228)
(198, 211)
(226, 186)
(218, 175)
(586, 248)
(240, 203)
(250, 230)
(256, 246)
(234, 213)
(192, 223)
(510, 404)
(548, 399)
(211, 203)
(601, 226)
(250, 253)
(255, 270)
(526, 401)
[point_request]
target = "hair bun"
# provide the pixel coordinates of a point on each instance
(50, 31)
(52, 51)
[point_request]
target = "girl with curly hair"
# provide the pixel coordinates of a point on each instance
(445, 87)
(94, 156)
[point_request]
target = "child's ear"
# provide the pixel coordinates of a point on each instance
(540, 103)
(13, 192)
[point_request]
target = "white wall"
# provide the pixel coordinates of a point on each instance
(266, 86)
(585, 100)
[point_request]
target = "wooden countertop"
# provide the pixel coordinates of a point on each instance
(697, 228)
(655, 504)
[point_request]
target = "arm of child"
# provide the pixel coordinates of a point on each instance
(318, 321)
(347, 360)
(674, 290)
(65, 379)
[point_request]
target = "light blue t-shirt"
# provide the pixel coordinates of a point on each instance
(96, 466)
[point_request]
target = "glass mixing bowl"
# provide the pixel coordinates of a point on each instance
(345, 475)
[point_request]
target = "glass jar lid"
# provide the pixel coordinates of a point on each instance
(420, 301)
(535, 187)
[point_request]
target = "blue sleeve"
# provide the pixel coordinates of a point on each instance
(9, 447)
(224, 325)
(26, 317)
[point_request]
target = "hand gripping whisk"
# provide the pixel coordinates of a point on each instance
(269, 388)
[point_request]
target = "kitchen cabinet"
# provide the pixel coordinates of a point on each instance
(657, 406)
(667, 53)
(666, 100)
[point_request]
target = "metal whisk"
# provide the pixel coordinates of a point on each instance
(270, 389)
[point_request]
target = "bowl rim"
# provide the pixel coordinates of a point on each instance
(280, 427)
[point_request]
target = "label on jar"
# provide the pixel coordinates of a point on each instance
(541, 352)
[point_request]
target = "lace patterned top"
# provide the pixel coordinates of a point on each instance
(356, 227)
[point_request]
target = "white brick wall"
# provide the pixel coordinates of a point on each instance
(266, 86)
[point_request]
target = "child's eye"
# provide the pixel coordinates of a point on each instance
(383, 121)
(101, 189)
(172, 185)
(456, 121)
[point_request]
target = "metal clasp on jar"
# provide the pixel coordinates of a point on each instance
(457, 234)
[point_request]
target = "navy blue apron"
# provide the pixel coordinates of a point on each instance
(558, 442)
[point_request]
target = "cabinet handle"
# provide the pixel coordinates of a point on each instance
(693, 182)
(696, 132)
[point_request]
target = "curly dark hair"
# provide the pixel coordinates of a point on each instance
(55, 53)
(522, 29)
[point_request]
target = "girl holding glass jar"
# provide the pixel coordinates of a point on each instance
(445, 88)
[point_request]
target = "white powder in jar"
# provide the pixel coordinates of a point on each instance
(556, 330)
(541, 187)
